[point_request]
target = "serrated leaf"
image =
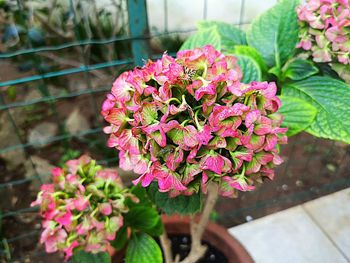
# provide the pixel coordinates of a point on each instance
(175, 205)
(229, 34)
(299, 69)
(143, 249)
(250, 69)
(202, 38)
(85, 257)
(252, 53)
(331, 97)
(275, 33)
(298, 114)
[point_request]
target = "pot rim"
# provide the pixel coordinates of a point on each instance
(214, 234)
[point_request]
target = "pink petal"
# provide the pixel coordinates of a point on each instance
(252, 117)
(105, 208)
(65, 219)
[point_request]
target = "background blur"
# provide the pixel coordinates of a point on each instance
(58, 59)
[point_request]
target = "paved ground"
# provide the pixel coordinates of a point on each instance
(315, 232)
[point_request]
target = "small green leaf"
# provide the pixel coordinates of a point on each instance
(250, 69)
(298, 114)
(299, 69)
(252, 53)
(180, 204)
(331, 97)
(143, 249)
(85, 257)
(275, 33)
(120, 238)
(202, 38)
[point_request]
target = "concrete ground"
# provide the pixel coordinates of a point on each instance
(314, 232)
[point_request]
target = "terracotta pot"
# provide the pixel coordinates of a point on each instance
(214, 234)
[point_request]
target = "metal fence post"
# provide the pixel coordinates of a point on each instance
(138, 24)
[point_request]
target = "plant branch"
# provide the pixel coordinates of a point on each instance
(197, 229)
(166, 245)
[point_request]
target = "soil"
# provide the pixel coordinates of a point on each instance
(181, 246)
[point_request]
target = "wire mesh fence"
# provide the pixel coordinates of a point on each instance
(58, 59)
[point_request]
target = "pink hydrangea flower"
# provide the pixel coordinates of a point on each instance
(185, 121)
(82, 208)
(324, 30)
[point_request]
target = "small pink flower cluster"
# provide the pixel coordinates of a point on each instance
(325, 30)
(82, 208)
(184, 122)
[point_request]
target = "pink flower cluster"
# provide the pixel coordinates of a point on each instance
(325, 30)
(82, 208)
(187, 121)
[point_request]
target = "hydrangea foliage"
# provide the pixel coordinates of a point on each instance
(83, 207)
(186, 121)
(325, 30)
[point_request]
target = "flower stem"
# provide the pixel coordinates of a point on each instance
(166, 245)
(198, 228)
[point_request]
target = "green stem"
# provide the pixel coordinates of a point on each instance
(173, 99)
(199, 127)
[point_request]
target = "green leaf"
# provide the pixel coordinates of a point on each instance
(275, 33)
(252, 53)
(202, 38)
(229, 34)
(120, 238)
(143, 249)
(180, 204)
(331, 97)
(298, 114)
(11, 92)
(220, 35)
(276, 71)
(85, 257)
(250, 69)
(143, 218)
(141, 193)
(299, 69)
(326, 70)
(143, 215)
